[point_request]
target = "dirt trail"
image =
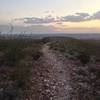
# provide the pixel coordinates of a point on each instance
(58, 84)
(59, 78)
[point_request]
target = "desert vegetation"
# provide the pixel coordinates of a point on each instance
(86, 72)
(17, 57)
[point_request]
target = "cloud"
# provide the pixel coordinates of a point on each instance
(96, 16)
(48, 11)
(80, 17)
(77, 17)
(36, 20)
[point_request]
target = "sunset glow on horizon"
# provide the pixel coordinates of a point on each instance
(74, 16)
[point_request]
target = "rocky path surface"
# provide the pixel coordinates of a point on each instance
(58, 78)
(57, 84)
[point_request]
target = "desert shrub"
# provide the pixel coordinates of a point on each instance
(10, 94)
(16, 61)
(84, 57)
(36, 55)
(12, 56)
(34, 52)
(81, 49)
(2, 56)
(21, 76)
(11, 51)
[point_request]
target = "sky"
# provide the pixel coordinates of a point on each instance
(50, 16)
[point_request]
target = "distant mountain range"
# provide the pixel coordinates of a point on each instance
(40, 36)
(77, 36)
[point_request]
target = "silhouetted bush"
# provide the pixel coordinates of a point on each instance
(36, 55)
(84, 57)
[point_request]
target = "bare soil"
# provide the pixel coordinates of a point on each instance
(53, 81)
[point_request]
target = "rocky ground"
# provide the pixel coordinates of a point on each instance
(58, 78)
(54, 77)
